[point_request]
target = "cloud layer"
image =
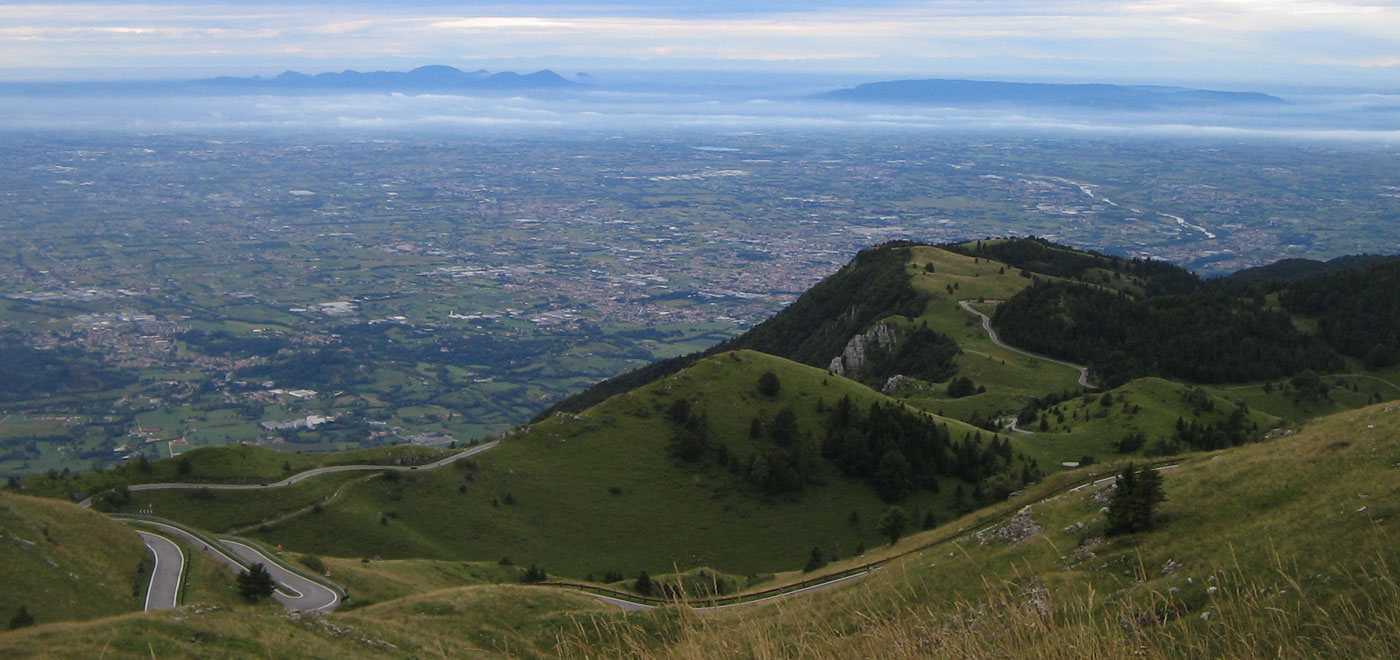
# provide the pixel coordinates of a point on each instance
(1195, 41)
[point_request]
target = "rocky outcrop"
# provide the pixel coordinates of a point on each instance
(1019, 528)
(850, 361)
(895, 382)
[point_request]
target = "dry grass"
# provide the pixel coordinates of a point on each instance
(1244, 619)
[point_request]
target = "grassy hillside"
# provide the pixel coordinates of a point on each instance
(1147, 408)
(1279, 549)
(61, 562)
(1009, 377)
(597, 492)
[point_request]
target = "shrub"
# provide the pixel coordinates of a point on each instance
(768, 384)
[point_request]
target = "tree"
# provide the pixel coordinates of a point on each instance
(256, 583)
(893, 477)
(644, 584)
(22, 618)
(960, 387)
(1135, 498)
(768, 384)
(892, 523)
(783, 430)
(183, 466)
(679, 412)
(817, 560)
(534, 574)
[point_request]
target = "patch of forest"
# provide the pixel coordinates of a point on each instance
(1047, 258)
(891, 448)
(1357, 311)
(1205, 338)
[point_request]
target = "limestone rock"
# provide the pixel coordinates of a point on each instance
(850, 361)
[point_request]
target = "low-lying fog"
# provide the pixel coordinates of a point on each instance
(1355, 117)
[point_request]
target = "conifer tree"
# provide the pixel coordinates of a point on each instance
(256, 583)
(1135, 498)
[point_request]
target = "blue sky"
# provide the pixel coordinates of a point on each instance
(1225, 43)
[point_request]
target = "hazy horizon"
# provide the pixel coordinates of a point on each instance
(637, 100)
(1199, 43)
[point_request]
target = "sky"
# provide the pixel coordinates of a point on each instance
(1222, 43)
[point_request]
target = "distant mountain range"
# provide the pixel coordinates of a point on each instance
(983, 92)
(435, 78)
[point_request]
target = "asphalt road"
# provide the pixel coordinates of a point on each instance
(987, 325)
(163, 592)
(302, 476)
(293, 591)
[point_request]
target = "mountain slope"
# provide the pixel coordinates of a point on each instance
(1279, 549)
(1293, 269)
(61, 562)
(608, 489)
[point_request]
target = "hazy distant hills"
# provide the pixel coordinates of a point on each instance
(1288, 270)
(436, 78)
(982, 92)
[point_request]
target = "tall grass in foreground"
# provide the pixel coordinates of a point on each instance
(1349, 615)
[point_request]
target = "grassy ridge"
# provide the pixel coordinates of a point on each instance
(597, 492)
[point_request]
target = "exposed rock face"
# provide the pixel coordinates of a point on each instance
(894, 383)
(1019, 528)
(850, 361)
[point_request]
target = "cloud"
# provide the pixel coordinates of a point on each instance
(1282, 39)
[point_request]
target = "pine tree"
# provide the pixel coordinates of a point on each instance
(1135, 498)
(892, 524)
(644, 584)
(256, 583)
(22, 618)
(533, 575)
(817, 560)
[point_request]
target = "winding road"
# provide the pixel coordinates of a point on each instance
(992, 334)
(294, 591)
(297, 592)
(302, 476)
(163, 592)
